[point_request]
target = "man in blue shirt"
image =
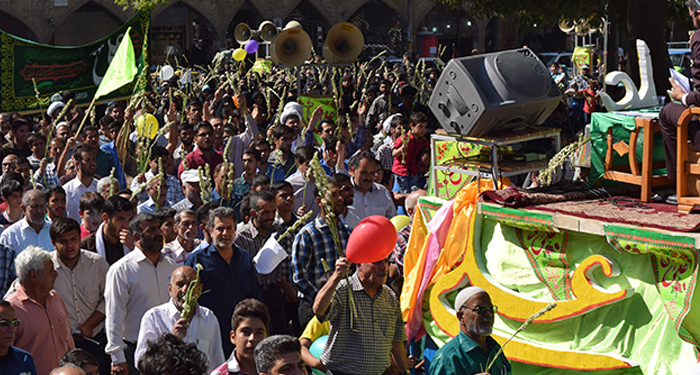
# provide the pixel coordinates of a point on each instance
(228, 275)
(471, 351)
(157, 192)
(13, 361)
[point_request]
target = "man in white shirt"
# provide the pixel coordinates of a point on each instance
(239, 142)
(33, 230)
(80, 283)
(135, 283)
(84, 181)
(201, 328)
(191, 189)
(370, 198)
(302, 185)
(185, 243)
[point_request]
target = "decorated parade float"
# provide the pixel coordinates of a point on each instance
(621, 271)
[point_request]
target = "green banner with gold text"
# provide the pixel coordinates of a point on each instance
(55, 69)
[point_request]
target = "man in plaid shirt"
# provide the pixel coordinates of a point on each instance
(276, 286)
(361, 339)
(175, 193)
(313, 245)
(7, 268)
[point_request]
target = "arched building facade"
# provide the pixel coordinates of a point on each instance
(201, 27)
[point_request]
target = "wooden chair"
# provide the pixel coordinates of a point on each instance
(635, 173)
(687, 164)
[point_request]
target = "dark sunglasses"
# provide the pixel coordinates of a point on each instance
(481, 310)
(4, 323)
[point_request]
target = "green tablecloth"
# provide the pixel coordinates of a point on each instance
(622, 126)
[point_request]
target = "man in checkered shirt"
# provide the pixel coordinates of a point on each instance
(313, 245)
(275, 286)
(361, 343)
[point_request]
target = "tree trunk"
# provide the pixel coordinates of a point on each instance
(645, 21)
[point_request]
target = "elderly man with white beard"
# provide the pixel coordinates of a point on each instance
(473, 348)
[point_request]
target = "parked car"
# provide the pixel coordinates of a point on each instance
(679, 52)
(562, 58)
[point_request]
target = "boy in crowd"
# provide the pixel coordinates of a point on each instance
(90, 211)
(405, 150)
(261, 182)
(166, 217)
(251, 162)
(12, 194)
(249, 326)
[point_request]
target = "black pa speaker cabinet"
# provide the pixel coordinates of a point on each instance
(487, 93)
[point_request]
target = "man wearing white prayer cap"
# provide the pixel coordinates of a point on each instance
(473, 348)
(54, 109)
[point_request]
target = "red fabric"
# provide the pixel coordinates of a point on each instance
(197, 159)
(590, 103)
(83, 232)
(410, 163)
(643, 214)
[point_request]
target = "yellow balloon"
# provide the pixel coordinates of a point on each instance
(239, 54)
(147, 126)
(400, 221)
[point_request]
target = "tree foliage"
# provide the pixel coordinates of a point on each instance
(553, 10)
(636, 19)
(140, 4)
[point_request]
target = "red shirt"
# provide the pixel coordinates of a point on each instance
(410, 162)
(590, 101)
(83, 232)
(197, 159)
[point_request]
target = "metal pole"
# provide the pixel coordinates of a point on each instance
(410, 24)
(605, 50)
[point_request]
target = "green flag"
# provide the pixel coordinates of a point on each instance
(121, 70)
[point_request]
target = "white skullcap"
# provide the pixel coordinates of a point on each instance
(190, 175)
(465, 294)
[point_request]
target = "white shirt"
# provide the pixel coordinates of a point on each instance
(203, 331)
(240, 142)
(377, 201)
(82, 288)
(74, 190)
(20, 235)
(299, 184)
(134, 285)
(175, 251)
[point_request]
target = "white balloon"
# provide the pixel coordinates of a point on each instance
(166, 72)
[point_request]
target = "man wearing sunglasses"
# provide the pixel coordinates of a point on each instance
(471, 351)
(13, 360)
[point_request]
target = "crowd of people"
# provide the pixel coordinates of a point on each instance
(107, 228)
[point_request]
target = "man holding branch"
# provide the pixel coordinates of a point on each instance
(200, 328)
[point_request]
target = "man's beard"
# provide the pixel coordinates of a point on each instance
(483, 329)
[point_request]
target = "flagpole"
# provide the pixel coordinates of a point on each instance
(87, 113)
